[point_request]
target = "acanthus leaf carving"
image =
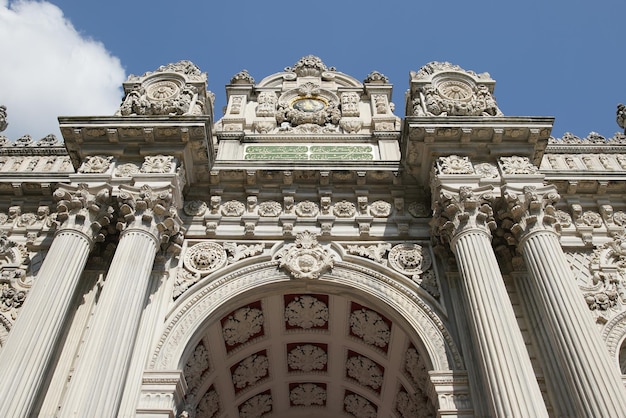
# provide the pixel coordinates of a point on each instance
(85, 209)
(532, 208)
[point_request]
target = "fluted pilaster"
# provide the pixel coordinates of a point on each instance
(25, 358)
(98, 383)
(465, 220)
(590, 378)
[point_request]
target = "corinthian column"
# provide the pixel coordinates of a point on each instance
(98, 383)
(25, 358)
(465, 220)
(585, 372)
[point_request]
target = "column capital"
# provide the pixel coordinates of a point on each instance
(462, 209)
(150, 210)
(531, 209)
(85, 209)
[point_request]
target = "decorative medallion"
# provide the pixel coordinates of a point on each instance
(486, 170)
(204, 258)
(162, 90)
(409, 259)
(344, 209)
(307, 358)
(250, 370)
(308, 105)
(456, 90)
(270, 209)
(306, 312)
(370, 327)
(307, 394)
(590, 218)
(195, 208)
(517, 165)
(305, 259)
(243, 324)
(364, 371)
(307, 209)
(233, 208)
(380, 209)
(564, 218)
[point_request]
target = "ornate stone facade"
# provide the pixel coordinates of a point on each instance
(312, 254)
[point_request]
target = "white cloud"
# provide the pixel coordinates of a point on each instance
(48, 69)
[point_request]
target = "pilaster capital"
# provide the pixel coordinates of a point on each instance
(150, 210)
(462, 209)
(531, 209)
(86, 209)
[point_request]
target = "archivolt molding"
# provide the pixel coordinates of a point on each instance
(613, 334)
(195, 309)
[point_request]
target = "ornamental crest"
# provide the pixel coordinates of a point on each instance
(205, 257)
(305, 259)
(409, 259)
(608, 273)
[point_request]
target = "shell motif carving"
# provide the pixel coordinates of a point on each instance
(241, 325)
(305, 259)
(250, 370)
(364, 371)
(205, 257)
(307, 358)
(308, 394)
(370, 327)
(306, 312)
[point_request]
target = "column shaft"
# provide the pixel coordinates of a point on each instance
(25, 358)
(98, 383)
(512, 389)
(592, 379)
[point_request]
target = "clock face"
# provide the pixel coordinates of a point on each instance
(308, 105)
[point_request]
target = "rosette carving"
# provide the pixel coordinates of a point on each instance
(305, 259)
(409, 259)
(344, 209)
(195, 208)
(270, 208)
(204, 258)
(307, 209)
(157, 164)
(233, 208)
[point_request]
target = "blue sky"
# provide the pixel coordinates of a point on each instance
(560, 58)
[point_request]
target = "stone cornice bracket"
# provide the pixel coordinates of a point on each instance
(84, 209)
(463, 209)
(152, 211)
(530, 209)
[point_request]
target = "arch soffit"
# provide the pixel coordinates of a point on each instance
(194, 310)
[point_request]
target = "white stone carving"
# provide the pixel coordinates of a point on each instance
(375, 252)
(307, 358)
(564, 218)
(454, 164)
(126, 170)
(157, 164)
(306, 312)
(370, 327)
(184, 280)
(256, 406)
(204, 257)
(241, 325)
(240, 251)
(250, 370)
(233, 208)
(419, 210)
(364, 371)
(195, 208)
(409, 259)
(308, 394)
(517, 165)
(270, 208)
(359, 406)
(486, 170)
(305, 259)
(266, 104)
(350, 104)
(590, 218)
(307, 209)
(344, 209)
(380, 209)
(95, 164)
